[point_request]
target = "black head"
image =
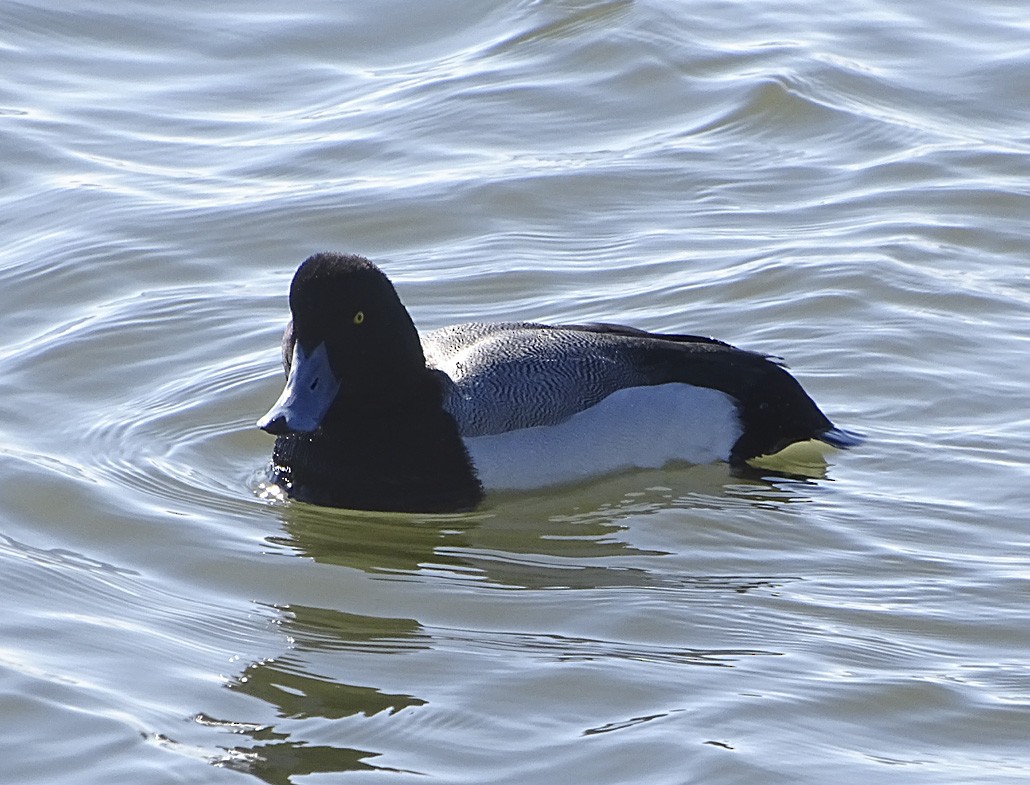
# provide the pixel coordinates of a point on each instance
(347, 303)
(350, 342)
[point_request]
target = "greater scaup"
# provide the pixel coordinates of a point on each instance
(376, 416)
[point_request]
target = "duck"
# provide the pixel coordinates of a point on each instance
(378, 416)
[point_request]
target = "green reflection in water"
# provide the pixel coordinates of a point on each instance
(575, 537)
(296, 695)
(280, 751)
(315, 629)
(277, 763)
(371, 542)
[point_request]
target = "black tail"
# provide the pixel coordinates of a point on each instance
(841, 439)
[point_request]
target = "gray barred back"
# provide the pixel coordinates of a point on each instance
(506, 376)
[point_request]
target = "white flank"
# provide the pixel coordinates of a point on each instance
(638, 427)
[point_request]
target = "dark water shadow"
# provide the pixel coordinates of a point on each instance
(299, 696)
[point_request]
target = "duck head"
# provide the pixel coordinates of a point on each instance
(349, 344)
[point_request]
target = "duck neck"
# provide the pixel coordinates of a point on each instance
(394, 397)
(398, 451)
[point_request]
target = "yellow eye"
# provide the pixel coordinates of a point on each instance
(359, 317)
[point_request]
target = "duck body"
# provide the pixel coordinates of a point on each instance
(377, 416)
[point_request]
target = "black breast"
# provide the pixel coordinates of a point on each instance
(408, 461)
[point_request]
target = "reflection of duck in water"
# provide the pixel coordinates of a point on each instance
(375, 416)
(302, 690)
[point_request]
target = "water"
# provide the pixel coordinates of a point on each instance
(845, 187)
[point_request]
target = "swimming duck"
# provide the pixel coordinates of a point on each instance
(377, 416)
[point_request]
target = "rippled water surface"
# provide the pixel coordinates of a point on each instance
(843, 185)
